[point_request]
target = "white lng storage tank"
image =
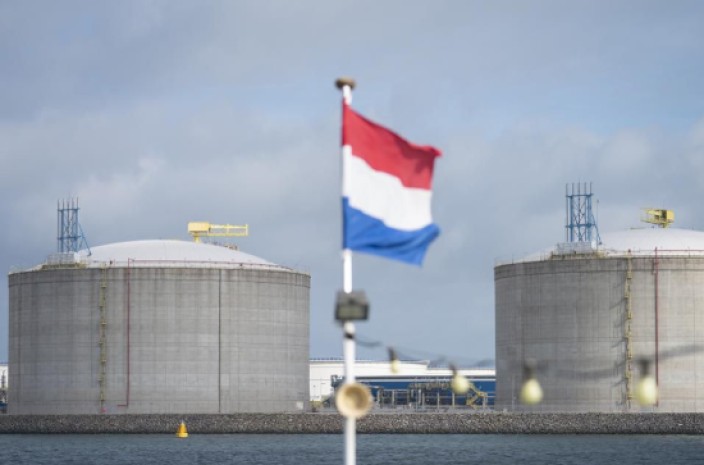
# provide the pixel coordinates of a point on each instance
(587, 315)
(158, 327)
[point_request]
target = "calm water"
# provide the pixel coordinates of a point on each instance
(372, 449)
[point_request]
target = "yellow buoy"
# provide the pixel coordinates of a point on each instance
(182, 432)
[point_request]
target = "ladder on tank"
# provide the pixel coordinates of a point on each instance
(627, 332)
(102, 336)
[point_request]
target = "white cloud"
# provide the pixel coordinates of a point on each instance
(626, 154)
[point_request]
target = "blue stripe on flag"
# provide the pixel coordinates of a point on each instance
(364, 233)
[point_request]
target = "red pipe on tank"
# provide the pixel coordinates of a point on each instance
(127, 394)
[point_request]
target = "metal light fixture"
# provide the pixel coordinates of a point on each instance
(531, 391)
(351, 306)
(394, 363)
(353, 400)
(647, 388)
(459, 384)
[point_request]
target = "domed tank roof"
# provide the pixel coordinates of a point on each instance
(667, 241)
(169, 251)
(637, 242)
(158, 254)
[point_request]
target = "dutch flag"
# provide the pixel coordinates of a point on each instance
(386, 191)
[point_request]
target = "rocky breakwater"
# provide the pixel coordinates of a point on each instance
(382, 423)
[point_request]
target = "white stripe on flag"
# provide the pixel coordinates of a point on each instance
(382, 195)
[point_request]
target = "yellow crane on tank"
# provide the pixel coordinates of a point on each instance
(199, 229)
(659, 216)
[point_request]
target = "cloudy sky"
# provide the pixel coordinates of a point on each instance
(156, 113)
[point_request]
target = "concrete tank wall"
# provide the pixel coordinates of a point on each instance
(177, 340)
(571, 315)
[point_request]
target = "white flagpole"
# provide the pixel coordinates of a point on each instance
(348, 345)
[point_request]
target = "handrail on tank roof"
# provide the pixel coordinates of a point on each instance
(213, 263)
(602, 253)
(137, 263)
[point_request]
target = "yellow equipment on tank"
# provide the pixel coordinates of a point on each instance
(658, 216)
(199, 229)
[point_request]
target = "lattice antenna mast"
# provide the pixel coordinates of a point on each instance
(580, 225)
(70, 235)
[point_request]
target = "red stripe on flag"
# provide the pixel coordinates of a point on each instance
(386, 151)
